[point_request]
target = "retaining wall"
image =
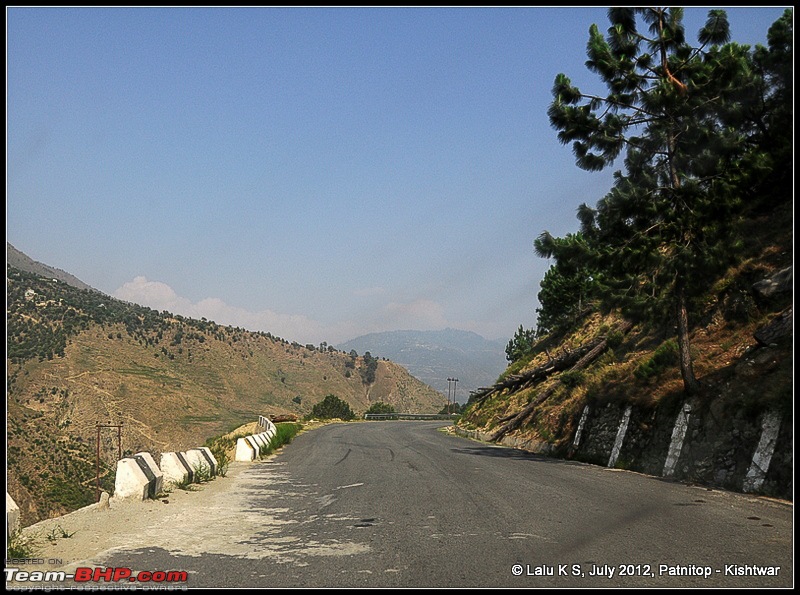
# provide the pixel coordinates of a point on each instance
(687, 441)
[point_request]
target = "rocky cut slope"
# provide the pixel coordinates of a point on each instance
(77, 358)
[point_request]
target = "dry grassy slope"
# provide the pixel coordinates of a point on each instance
(735, 373)
(165, 404)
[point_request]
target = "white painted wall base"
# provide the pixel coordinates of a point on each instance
(770, 425)
(623, 429)
(676, 443)
(576, 442)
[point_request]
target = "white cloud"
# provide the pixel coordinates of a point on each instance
(160, 296)
(154, 294)
(421, 314)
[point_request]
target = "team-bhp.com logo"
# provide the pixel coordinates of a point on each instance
(96, 575)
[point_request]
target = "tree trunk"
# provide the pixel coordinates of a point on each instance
(590, 353)
(690, 384)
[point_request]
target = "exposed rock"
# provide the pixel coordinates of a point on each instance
(780, 282)
(777, 328)
(283, 418)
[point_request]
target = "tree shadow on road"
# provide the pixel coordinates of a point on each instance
(505, 452)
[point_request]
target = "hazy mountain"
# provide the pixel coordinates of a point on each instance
(435, 356)
(23, 262)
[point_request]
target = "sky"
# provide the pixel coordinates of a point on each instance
(317, 173)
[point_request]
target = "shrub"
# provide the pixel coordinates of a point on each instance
(572, 378)
(380, 408)
(22, 546)
(202, 473)
(223, 461)
(665, 356)
(284, 434)
(332, 407)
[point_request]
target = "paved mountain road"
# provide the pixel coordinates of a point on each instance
(404, 504)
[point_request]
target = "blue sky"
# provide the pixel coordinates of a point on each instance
(318, 173)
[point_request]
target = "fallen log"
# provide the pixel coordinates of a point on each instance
(592, 351)
(517, 382)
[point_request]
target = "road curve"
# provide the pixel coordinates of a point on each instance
(404, 504)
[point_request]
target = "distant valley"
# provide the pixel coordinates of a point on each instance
(435, 356)
(77, 357)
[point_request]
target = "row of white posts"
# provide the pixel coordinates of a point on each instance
(139, 477)
(249, 447)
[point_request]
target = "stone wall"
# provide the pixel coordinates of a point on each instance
(683, 440)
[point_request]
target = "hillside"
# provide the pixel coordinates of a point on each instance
(23, 262)
(435, 356)
(77, 358)
(604, 363)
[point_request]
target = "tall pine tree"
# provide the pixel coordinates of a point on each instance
(674, 110)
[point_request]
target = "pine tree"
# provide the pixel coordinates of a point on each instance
(520, 344)
(568, 286)
(675, 110)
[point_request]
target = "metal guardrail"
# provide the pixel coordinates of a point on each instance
(409, 415)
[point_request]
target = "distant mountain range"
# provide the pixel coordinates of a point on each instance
(435, 356)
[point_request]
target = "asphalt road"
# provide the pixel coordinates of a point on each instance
(403, 504)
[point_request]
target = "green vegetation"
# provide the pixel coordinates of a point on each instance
(368, 369)
(223, 462)
(332, 407)
(380, 408)
(457, 408)
(568, 286)
(221, 446)
(520, 344)
(572, 378)
(42, 315)
(284, 434)
(704, 134)
(665, 356)
(58, 532)
(22, 546)
(65, 492)
(202, 472)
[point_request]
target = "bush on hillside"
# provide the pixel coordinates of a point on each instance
(380, 408)
(332, 407)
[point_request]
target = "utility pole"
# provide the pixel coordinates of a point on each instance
(454, 381)
(449, 380)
